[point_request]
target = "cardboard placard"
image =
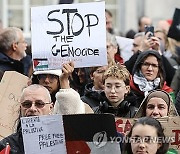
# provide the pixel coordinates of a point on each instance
(11, 87)
(171, 127)
(69, 32)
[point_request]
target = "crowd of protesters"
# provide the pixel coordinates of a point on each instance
(147, 85)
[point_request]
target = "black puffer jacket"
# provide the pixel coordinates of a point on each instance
(9, 64)
(125, 109)
(92, 98)
(15, 141)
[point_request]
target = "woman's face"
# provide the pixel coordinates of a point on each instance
(51, 82)
(143, 140)
(81, 75)
(156, 108)
(115, 90)
(150, 68)
(97, 77)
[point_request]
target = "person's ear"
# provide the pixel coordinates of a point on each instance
(14, 46)
(51, 106)
(91, 76)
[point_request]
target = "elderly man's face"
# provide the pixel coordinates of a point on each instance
(21, 46)
(35, 103)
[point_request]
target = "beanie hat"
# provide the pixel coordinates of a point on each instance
(53, 72)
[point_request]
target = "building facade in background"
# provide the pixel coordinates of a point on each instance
(125, 12)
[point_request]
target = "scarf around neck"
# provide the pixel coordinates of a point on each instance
(143, 84)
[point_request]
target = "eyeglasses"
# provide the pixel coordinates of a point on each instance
(24, 42)
(116, 88)
(38, 104)
(146, 64)
(43, 77)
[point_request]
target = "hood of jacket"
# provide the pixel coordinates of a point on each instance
(141, 58)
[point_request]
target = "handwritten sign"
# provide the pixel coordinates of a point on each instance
(11, 87)
(43, 134)
(61, 33)
(171, 127)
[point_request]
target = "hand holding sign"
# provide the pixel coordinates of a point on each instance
(67, 70)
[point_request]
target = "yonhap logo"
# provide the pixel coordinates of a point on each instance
(100, 139)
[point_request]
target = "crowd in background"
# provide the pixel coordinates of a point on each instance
(146, 85)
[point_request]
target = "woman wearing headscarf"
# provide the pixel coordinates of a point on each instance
(157, 104)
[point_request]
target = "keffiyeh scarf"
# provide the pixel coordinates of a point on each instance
(143, 84)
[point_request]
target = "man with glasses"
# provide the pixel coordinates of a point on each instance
(12, 49)
(36, 101)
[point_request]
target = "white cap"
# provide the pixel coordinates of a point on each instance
(53, 72)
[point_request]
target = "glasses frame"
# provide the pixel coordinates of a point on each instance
(40, 106)
(147, 65)
(44, 76)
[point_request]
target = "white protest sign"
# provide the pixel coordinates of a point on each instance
(61, 33)
(43, 134)
(125, 45)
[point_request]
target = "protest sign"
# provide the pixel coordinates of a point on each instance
(69, 32)
(171, 127)
(84, 133)
(90, 133)
(125, 45)
(43, 134)
(11, 87)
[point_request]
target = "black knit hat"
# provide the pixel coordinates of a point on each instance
(174, 30)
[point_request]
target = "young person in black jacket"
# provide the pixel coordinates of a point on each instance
(119, 101)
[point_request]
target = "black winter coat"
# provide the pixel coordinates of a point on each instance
(9, 64)
(15, 141)
(92, 98)
(125, 109)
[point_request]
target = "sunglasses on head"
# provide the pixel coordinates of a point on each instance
(38, 103)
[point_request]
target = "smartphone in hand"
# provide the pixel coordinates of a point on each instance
(149, 29)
